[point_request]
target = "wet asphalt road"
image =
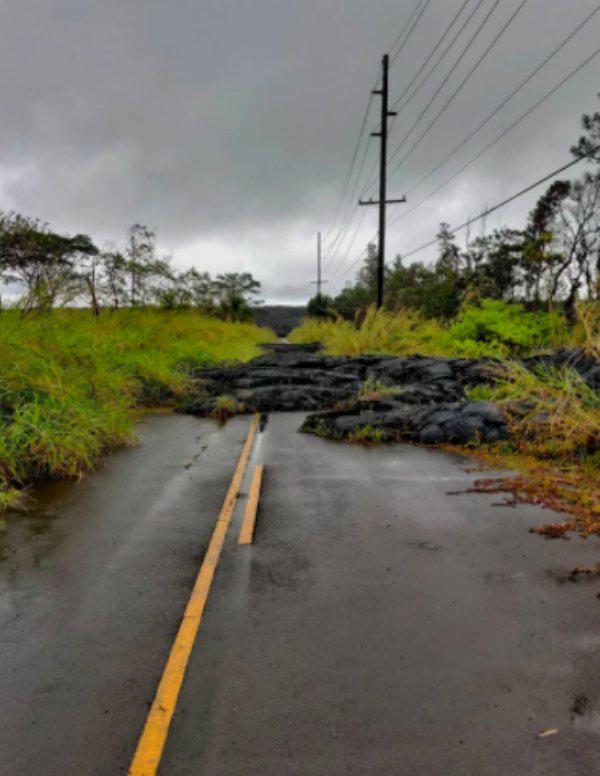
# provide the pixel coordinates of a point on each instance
(377, 625)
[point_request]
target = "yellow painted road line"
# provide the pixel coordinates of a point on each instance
(247, 529)
(151, 744)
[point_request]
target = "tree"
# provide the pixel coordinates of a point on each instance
(115, 271)
(320, 306)
(235, 292)
(449, 253)
(43, 262)
(353, 301)
(203, 291)
(495, 261)
(588, 146)
(367, 274)
(141, 255)
(538, 258)
(576, 230)
(434, 292)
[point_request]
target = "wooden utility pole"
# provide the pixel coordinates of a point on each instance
(383, 201)
(319, 281)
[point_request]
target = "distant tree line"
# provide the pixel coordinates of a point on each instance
(551, 262)
(50, 270)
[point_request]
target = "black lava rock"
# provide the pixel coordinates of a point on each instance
(428, 403)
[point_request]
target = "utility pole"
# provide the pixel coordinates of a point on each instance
(319, 282)
(383, 201)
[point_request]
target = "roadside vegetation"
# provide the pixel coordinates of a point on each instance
(72, 385)
(506, 296)
(554, 418)
(91, 337)
(553, 414)
(490, 328)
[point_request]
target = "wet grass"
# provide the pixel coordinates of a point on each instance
(553, 416)
(493, 329)
(71, 386)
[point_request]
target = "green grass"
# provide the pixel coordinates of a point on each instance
(554, 417)
(490, 329)
(71, 386)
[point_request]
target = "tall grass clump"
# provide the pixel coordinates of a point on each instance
(382, 332)
(553, 413)
(554, 420)
(490, 328)
(588, 317)
(71, 384)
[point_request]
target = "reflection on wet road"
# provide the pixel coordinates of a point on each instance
(376, 625)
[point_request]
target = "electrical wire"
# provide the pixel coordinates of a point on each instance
(503, 134)
(348, 247)
(492, 209)
(433, 51)
(445, 80)
(460, 87)
(394, 57)
(336, 211)
(505, 101)
(339, 206)
(346, 220)
(488, 211)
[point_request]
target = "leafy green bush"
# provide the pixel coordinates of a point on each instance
(506, 328)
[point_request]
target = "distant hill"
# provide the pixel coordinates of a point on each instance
(281, 318)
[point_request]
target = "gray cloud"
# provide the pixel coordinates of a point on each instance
(228, 125)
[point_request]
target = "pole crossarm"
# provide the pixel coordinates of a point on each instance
(376, 201)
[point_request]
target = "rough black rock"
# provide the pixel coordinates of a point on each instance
(428, 403)
(570, 358)
(430, 423)
(298, 377)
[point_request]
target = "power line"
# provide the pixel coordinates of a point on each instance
(372, 176)
(336, 210)
(349, 246)
(506, 100)
(496, 140)
(432, 52)
(462, 84)
(490, 210)
(394, 57)
(349, 211)
(339, 206)
(348, 218)
(440, 58)
(362, 256)
(447, 78)
(346, 221)
(485, 213)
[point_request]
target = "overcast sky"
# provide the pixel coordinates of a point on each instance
(228, 125)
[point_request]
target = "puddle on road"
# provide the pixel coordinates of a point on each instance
(29, 533)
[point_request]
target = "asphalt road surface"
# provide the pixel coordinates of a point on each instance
(376, 626)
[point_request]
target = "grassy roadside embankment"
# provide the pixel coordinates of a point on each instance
(553, 415)
(72, 386)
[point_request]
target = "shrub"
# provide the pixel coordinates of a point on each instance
(492, 328)
(506, 328)
(380, 332)
(552, 413)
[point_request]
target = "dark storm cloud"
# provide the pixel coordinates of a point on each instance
(228, 126)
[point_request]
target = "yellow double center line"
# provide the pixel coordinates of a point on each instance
(152, 741)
